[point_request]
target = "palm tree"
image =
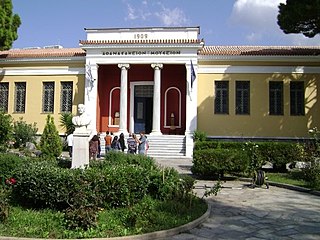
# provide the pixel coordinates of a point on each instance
(66, 122)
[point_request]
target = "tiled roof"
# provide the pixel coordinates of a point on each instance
(42, 53)
(141, 41)
(205, 51)
(261, 50)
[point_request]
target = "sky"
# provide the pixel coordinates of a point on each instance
(222, 22)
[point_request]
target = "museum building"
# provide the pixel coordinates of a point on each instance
(167, 82)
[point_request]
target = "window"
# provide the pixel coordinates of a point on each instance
(221, 102)
(66, 97)
(20, 97)
(297, 98)
(242, 97)
(276, 98)
(4, 96)
(48, 97)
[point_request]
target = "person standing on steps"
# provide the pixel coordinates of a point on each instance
(122, 142)
(108, 140)
(142, 143)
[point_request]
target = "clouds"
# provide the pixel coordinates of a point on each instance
(258, 21)
(258, 17)
(145, 11)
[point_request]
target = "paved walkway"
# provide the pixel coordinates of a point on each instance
(240, 212)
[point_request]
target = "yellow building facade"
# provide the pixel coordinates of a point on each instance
(282, 67)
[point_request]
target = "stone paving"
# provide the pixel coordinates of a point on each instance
(242, 212)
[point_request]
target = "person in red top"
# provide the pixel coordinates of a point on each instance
(108, 139)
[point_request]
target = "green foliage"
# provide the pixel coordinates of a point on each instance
(24, 132)
(300, 16)
(50, 143)
(312, 171)
(6, 128)
(66, 122)
(4, 204)
(8, 163)
(119, 182)
(199, 136)
(280, 153)
(277, 153)
(216, 162)
(9, 24)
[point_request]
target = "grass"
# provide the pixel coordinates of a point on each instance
(292, 178)
(150, 216)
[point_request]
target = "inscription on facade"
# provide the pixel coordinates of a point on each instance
(140, 36)
(149, 52)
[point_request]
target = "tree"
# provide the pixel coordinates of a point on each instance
(50, 142)
(300, 16)
(6, 128)
(9, 24)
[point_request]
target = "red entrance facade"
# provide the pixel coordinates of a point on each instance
(172, 101)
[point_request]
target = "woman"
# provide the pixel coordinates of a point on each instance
(93, 147)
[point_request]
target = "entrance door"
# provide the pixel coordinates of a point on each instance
(143, 108)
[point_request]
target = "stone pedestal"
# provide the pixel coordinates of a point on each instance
(80, 150)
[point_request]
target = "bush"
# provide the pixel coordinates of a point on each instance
(8, 163)
(50, 142)
(24, 133)
(199, 136)
(216, 162)
(280, 153)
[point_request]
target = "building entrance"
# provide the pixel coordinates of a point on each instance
(143, 108)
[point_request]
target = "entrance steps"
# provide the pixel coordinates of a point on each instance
(160, 147)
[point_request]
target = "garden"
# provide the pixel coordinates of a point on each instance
(292, 162)
(121, 195)
(125, 194)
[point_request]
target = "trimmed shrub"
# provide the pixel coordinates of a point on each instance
(216, 162)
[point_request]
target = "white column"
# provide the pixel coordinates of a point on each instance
(123, 98)
(191, 109)
(91, 93)
(156, 99)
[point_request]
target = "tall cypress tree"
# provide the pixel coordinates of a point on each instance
(50, 142)
(9, 24)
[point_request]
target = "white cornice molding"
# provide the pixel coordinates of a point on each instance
(46, 60)
(203, 58)
(41, 71)
(256, 69)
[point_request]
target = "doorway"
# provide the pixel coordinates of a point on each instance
(143, 108)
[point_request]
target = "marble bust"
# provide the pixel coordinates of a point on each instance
(82, 121)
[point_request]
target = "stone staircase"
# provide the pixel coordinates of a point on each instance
(160, 147)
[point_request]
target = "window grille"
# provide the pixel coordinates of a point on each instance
(221, 102)
(242, 97)
(4, 96)
(48, 97)
(20, 97)
(276, 98)
(66, 96)
(143, 91)
(297, 98)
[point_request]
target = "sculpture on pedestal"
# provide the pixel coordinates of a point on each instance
(82, 121)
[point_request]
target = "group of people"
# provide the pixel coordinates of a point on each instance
(133, 144)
